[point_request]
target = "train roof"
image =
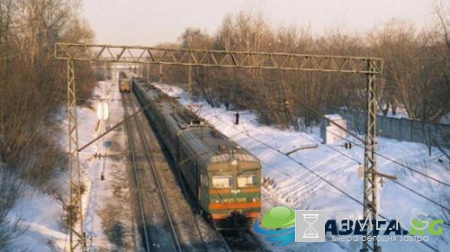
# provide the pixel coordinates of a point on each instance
(211, 146)
(204, 141)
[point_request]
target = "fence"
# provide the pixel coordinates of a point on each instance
(401, 129)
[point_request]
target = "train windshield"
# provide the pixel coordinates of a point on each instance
(247, 180)
(222, 181)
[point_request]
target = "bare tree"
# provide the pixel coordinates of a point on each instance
(32, 81)
(416, 74)
(10, 189)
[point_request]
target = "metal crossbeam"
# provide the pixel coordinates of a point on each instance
(216, 58)
(71, 52)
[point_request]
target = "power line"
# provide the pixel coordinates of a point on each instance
(322, 178)
(415, 192)
(408, 188)
(351, 158)
(309, 135)
(421, 195)
(397, 162)
(329, 146)
(331, 121)
(328, 182)
(298, 162)
(377, 153)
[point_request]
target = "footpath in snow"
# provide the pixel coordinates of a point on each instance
(295, 185)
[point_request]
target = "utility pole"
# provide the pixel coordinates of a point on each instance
(160, 73)
(190, 79)
(74, 208)
(370, 161)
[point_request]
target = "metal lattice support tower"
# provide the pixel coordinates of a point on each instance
(370, 162)
(74, 208)
(190, 79)
(161, 74)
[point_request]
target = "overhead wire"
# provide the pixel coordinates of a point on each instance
(316, 174)
(299, 163)
(329, 146)
(408, 188)
(325, 180)
(412, 190)
(397, 162)
(377, 153)
(421, 195)
(353, 159)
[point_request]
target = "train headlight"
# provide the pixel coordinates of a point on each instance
(217, 201)
(254, 199)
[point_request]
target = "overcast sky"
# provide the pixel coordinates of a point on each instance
(148, 22)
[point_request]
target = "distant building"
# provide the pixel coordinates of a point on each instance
(331, 133)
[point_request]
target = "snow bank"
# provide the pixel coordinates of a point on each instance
(41, 213)
(298, 188)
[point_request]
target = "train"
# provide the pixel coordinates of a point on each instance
(224, 177)
(124, 83)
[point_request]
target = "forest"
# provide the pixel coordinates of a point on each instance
(415, 80)
(33, 90)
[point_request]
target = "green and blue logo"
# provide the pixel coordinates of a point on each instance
(282, 226)
(278, 226)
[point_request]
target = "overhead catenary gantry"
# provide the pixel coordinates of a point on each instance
(217, 58)
(368, 66)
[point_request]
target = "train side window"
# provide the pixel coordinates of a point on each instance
(247, 180)
(222, 181)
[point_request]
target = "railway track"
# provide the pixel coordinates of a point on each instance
(242, 240)
(187, 230)
(157, 224)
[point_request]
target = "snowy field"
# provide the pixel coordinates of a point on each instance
(105, 202)
(297, 187)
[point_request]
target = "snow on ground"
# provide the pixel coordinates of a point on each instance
(296, 187)
(104, 201)
(39, 214)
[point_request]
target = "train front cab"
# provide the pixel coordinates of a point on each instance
(124, 86)
(231, 193)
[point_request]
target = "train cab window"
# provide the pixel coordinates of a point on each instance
(222, 181)
(247, 180)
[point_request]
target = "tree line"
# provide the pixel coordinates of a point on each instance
(416, 71)
(32, 90)
(33, 83)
